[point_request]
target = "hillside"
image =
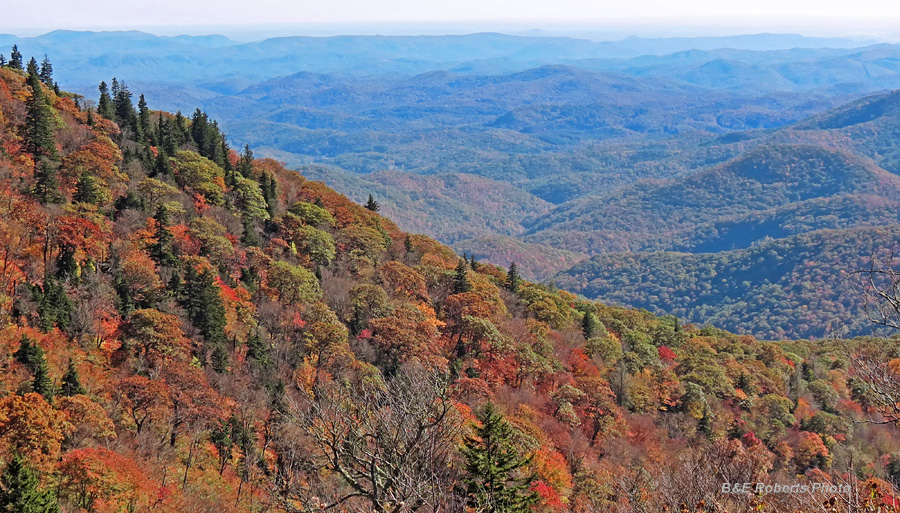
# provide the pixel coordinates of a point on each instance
(792, 287)
(186, 328)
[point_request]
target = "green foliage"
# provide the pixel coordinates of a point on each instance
(201, 298)
(249, 200)
(21, 490)
(54, 306)
(494, 479)
(201, 174)
(293, 284)
(461, 278)
(87, 190)
(513, 280)
(32, 357)
(161, 249)
(71, 384)
(312, 214)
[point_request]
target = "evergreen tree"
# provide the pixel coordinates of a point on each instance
(32, 357)
(162, 166)
(90, 117)
(86, 190)
(32, 69)
(245, 163)
(257, 350)
(54, 306)
(513, 280)
(269, 187)
(144, 128)
(590, 325)
(105, 105)
(123, 106)
(46, 186)
(71, 384)
(38, 119)
(203, 302)
(15, 58)
(493, 466)
(249, 237)
(461, 280)
(2, 61)
(46, 72)
(161, 250)
(20, 491)
(372, 204)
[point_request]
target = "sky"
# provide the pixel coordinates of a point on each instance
(869, 18)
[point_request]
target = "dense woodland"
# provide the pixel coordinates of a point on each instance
(186, 328)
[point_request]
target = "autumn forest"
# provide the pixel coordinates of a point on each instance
(187, 328)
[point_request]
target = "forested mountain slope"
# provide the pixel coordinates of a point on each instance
(187, 328)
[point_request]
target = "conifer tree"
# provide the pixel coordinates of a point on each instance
(3, 62)
(32, 357)
(162, 166)
(46, 72)
(245, 163)
(86, 190)
(161, 250)
(71, 383)
(15, 58)
(104, 104)
(589, 325)
(46, 186)
(372, 204)
(493, 481)
(20, 490)
(39, 119)
(513, 280)
(144, 128)
(461, 279)
(204, 305)
(54, 306)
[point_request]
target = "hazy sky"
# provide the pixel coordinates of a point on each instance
(880, 18)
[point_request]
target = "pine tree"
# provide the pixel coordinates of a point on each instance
(86, 190)
(245, 163)
(46, 72)
(15, 58)
(461, 280)
(71, 384)
(203, 302)
(372, 204)
(54, 306)
(46, 186)
(20, 491)
(493, 483)
(162, 166)
(123, 106)
(161, 250)
(589, 325)
(38, 119)
(32, 357)
(104, 104)
(513, 280)
(3, 62)
(257, 350)
(144, 128)
(90, 117)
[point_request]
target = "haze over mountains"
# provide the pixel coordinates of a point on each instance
(673, 165)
